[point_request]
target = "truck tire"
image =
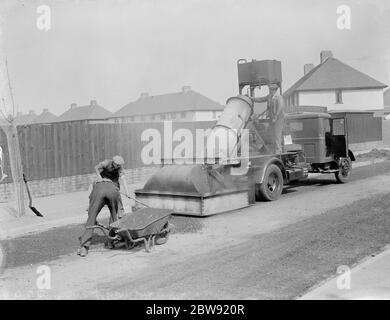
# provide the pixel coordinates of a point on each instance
(272, 185)
(344, 174)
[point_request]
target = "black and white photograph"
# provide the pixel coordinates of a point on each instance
(208, 151)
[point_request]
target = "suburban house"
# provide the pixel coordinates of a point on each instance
(22, 119)
(45, 117)
(386, 102)
(186, 105)
(337, 86)
(89, 112)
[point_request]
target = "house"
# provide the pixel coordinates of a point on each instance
(386, 103)
(45, 117)
(337, 86)
(89, 112)
(22, 119)
(186, 105)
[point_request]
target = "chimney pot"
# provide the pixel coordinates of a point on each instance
(307, 68)
(73, 105)
(45, 110)
(325, 54)
(93, 103)
(185, 89)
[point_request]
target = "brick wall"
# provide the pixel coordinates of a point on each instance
(46, 187)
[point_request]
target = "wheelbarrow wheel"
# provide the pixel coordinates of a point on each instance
(163, 237)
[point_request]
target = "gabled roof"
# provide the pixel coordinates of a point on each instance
(185, 100)
(334, 74)
(28, 118)
(89, 112)
(45, 117)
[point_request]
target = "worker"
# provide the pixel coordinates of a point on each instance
(276, 107)
(112, 169)
(105, 191)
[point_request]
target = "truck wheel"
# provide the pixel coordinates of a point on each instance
(272, 186)
(344, 173)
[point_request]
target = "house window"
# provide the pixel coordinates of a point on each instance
(163, 116)
(173, 115)
(214, 114)
(182, 115)
(339, 96)
(152, 117)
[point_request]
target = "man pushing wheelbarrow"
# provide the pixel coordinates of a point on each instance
(105, 191)
(148, 225)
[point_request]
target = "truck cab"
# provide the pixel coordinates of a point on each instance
(324, 141)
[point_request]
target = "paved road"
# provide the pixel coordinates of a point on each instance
(278, 264)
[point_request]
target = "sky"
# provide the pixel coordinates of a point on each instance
(112, 51)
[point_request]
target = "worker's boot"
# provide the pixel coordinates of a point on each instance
(82, 251)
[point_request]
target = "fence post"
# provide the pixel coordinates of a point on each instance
(16, 166)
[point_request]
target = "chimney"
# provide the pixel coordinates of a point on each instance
(144, 95)
(31, 112)
(325, 54)
(93, 103)
(307, 68)
(73, 105)
(45, 110)
(185, 89)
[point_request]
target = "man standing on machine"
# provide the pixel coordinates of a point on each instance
(276, 107)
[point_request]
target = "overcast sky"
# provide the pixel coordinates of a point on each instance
(112, 51)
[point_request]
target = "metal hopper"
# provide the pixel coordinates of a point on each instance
(199, 190)
(208, 188)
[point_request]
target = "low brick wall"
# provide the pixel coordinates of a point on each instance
(365, 146)
(42, 188)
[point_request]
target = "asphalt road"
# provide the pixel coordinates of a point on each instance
(51, 244)
(283, 263)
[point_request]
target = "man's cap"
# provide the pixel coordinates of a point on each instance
(118, 160)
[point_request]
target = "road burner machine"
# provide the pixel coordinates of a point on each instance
(249, 166)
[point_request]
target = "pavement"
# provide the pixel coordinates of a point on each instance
(369, 280)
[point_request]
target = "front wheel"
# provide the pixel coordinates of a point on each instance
(272, 185)
(345, 171)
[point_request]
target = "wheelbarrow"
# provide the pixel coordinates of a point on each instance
(148, 225)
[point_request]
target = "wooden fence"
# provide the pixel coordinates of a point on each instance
(74, 148)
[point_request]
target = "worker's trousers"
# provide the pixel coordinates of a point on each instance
(103, 193)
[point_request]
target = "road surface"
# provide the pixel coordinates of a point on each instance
(271, 250)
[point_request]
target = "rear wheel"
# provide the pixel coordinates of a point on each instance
(272, 185)
(345, 170)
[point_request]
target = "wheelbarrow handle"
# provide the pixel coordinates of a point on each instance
(140, 202)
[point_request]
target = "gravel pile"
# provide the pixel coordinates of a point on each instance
(186, 224)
